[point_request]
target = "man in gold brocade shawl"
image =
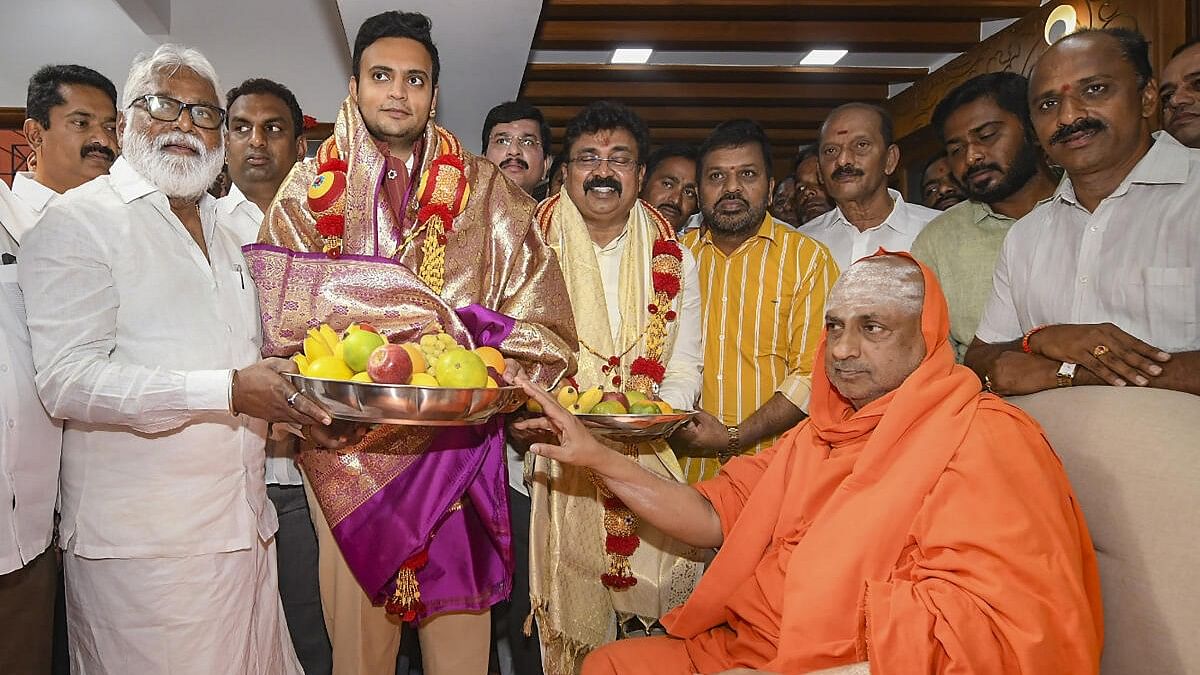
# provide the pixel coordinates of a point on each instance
(397, 225)
(594, 575)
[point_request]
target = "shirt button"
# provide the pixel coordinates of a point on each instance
(722, 336)
(3, 367)
(1083, 279)
(1094, 228)
(720, 378)
(11, 423)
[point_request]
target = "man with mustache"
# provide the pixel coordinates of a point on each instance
(912, 525)
(516, 138)
(671, 183)
(264, 139)
(397, 225)
(146, 338)
(993, 151)
(811, 199)
(939, 187)
(763, 288)
(636, 300)
(71, 127)
(1180, 94)
(856, 155)
(1099, 284)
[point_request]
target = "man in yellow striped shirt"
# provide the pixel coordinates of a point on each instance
(763, 288)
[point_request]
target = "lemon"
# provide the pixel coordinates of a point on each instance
(362, 377)
(329, 367)
(423, 380)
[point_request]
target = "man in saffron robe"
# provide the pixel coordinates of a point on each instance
(397, 225)
(911, 525)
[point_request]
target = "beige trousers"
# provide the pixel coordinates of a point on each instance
(366, 639)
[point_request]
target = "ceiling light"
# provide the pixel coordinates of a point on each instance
(823, 57)
(1060, 23)
(631, 55)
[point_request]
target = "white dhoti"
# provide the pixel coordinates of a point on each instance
(204, 614)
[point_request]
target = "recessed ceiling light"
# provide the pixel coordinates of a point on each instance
(823, 57)
(631, 55)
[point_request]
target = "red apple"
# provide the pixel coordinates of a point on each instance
(616, 396)
(390, 364)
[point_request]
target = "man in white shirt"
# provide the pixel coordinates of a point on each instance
(636, 299)
(1099, 284)
(71, 127)
(856, 155)
(265, 138)
(145, 334)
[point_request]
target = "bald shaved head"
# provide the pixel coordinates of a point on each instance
(890, 279)
(873, 337)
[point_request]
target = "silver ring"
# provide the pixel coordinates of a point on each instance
(292, 399)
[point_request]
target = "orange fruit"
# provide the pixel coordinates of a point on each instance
(492, 358)
(417, 356)
(664, 406)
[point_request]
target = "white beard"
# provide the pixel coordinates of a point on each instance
(176, 176)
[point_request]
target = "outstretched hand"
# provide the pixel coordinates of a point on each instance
(575, 446)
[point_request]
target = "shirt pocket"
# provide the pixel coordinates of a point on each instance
(244, 317)
(1171, 310)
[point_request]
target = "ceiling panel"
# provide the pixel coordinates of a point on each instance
(716, 60)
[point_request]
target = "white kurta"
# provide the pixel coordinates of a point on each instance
(243, 217)
(30, 440)
(895, 233)
(135, 337)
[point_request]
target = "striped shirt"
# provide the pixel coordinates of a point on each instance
(764, 310)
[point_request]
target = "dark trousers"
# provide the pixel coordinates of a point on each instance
(296, 543)
(508, 618)
(27, 616)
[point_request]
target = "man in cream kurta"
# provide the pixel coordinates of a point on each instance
(636, 299)
(145, 336)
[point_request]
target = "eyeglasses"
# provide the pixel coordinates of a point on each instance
(527, 142)
(167, 109)
(592, 162)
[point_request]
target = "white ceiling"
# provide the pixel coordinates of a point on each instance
(302, 43)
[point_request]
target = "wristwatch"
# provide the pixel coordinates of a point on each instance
(1065, 376)
(733, 449)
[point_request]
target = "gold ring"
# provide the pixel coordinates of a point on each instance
(1099, 351)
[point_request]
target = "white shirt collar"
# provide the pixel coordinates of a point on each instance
(902, 225)
(128, 183)
(1166, 163)
(233, 200)
(34, 194)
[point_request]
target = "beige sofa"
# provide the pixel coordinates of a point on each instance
(1133, 456)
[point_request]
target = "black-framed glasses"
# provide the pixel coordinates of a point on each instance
(593, 162)
(526, 142)
(167, 109)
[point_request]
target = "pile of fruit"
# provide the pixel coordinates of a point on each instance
(361, 354)
(597, 401)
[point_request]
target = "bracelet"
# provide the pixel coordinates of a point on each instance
(1025, 340)
(232, 379)
(733, 449)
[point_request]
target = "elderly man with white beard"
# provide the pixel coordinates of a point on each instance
(145, 334)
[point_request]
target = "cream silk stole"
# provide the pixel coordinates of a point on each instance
(575, 612)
